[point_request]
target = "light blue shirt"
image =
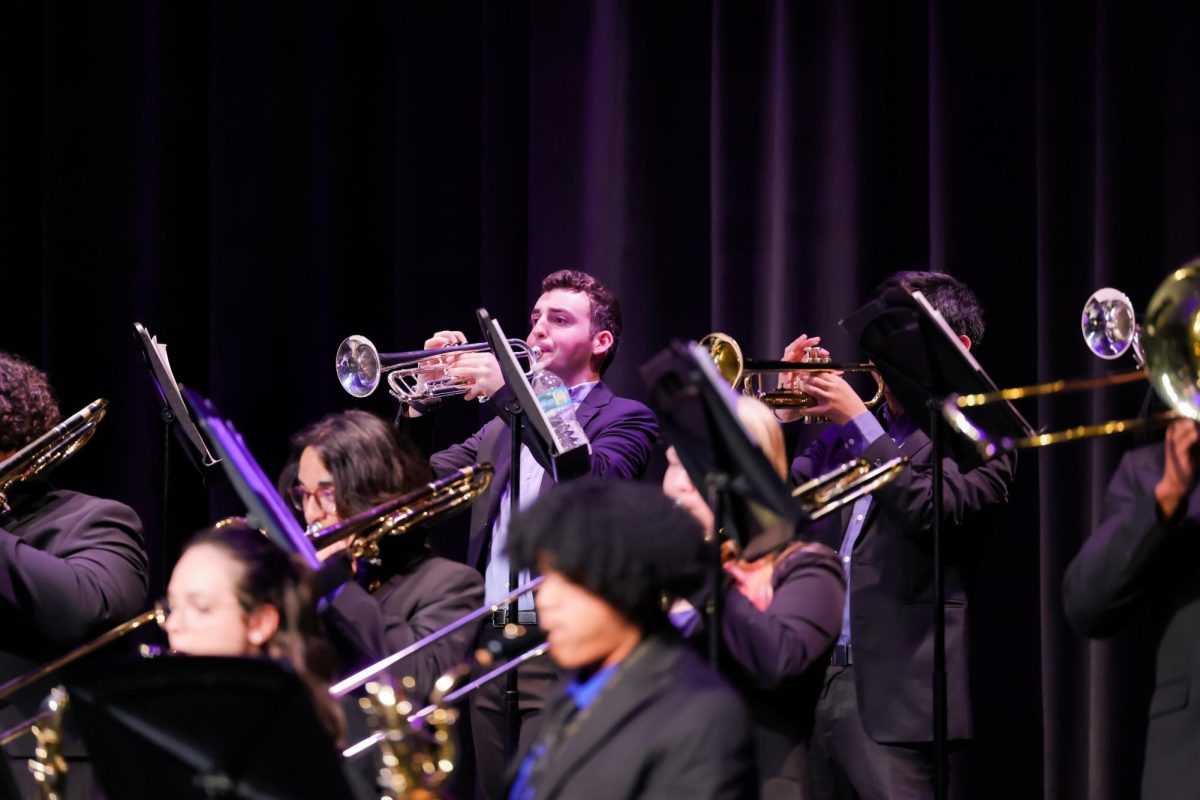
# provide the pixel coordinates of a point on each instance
(858, 434)
(495, 576)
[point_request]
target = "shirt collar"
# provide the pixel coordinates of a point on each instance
(584, 693)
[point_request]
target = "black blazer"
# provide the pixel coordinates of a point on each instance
(419, 599)
(668, 727)
(622, 433)
(1134, 560)
(71, 567)
(776, 658)
(891, 586)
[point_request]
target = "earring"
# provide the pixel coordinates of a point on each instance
(256, 638)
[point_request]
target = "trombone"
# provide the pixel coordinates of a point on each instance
(51, 448)
(436, 499)
(750, 373)
(1166, 350)
(414, 376)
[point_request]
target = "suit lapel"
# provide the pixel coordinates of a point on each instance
(634, 686)
(588, 411)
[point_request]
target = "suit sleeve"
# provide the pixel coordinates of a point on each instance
(459, 455)
(1107, 580)
(802, 621)
(909, 497)
(711, 760)
(381, 628)
(95, 577)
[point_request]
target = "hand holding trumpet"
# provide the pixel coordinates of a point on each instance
(479, 370)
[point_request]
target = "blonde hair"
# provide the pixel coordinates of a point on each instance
(764, 429)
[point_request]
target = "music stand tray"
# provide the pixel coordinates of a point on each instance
(203, 727)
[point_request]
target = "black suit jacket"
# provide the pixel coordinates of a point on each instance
(666, 727)
(1133, 560)
(419, 599)
(622, 433)
(71, 567)
(776, 658)
(891, 585)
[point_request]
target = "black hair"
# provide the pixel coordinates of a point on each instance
(27, 405)
(950, 296)
(623, 541)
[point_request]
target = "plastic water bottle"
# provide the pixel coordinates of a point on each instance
(556, 403)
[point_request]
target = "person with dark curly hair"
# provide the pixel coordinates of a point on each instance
(342, 465)
(71, 565)
(576, 323)
(639, 714)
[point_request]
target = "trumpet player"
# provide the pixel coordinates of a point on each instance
(576, 324)
(782, 614)
(347, 463)
(874, 719)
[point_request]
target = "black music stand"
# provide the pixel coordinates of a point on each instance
(696, 410)
(265, 508)
(922, 361)
(204, 727)
(175, 418)
(529, 426)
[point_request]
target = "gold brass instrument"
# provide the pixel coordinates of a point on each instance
(434, 500)
(417, 754)
(845, 484)
(51, 448)
(750, 373)
(416, 375)
(1168, 345)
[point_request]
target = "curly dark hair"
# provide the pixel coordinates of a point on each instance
(27, 405)
(602, 304)
(621, 540)
(950, 296)
(272, 577)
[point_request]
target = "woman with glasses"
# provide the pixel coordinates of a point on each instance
(782, 615)
(343, 465)
(233, 592)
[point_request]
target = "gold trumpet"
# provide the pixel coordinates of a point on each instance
(415, 375)
(750, 373)
(51, 448)
(435, 500)
(1167, 345)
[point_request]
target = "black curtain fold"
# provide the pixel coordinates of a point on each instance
(256, 182)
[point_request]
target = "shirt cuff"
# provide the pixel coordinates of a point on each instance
(860, 432)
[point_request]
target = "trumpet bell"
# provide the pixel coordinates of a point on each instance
(726, 354)
(1108, 323)
(358, 366)
(1172, 340)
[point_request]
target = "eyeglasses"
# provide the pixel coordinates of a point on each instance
(190, 611)
(325, 496)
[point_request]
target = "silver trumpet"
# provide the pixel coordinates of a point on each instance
(416, 375)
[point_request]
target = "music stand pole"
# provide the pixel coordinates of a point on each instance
(512, 716)
(941, 764)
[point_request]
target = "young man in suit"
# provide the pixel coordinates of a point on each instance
(874, 720)
(639, 714)
(1145, 554)
(576, 323)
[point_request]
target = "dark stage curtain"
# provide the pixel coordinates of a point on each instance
(254, 182)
